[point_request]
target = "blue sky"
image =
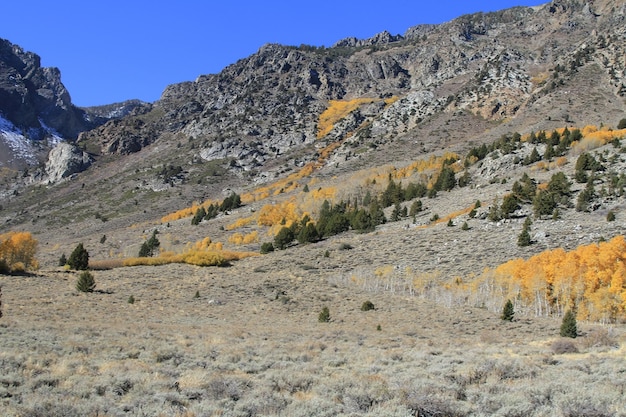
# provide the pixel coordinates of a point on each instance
(117, 50)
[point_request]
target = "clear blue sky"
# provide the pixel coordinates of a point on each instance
(117, 50)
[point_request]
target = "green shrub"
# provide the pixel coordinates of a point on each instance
(610, 217)
(131, 300)
(367, 306)
(267, 247)
(324, 316)
(86, 282)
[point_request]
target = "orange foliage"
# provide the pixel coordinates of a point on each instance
(241, 239)
(241, 223)
(185, 212)
(200, 253)
(285, 213)
(327, 193)
(594, 138)
(337, 110)
(17, 251)
(591, 278)
(434, 163)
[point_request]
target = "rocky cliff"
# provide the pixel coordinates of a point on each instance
(522, 64)
(36, 110)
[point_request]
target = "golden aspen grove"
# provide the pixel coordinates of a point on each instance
(17, 252)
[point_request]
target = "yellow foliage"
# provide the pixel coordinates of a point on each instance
(327, 193)
(17, 251)
(286, 212)
(337, 110)
(591, 278)
(241, 223)
(594, 138)
(185, 212)
(241, 239)
(201, 253)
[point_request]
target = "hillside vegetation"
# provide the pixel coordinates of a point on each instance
(423, 225)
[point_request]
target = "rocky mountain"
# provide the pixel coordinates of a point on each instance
(502, 66)
(36, 110)
(435, 87)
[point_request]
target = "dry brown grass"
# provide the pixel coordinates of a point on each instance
(251, 344)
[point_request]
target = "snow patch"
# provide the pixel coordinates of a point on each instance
(16, 141)
(54, 137)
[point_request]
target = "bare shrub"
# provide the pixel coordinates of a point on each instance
(562, 346)
(599, 337)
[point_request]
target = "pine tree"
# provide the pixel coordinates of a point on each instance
(86, 282)
(283, 238)
(199, 216)
(508, 312)
(568, 326)
(79, 258)
(62, 260)
(524, 237)
(324, 316)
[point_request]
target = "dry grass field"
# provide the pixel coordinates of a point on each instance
(246, 341)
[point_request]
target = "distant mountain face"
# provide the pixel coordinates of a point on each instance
(524, 65)
(529, 67)
(36, 110)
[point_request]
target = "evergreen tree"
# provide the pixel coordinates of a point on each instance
(508, 312)
(524, 237)
(416, 207)
(395, 214)
(509, 205)
(283, 238)
(86, 282)
(199, 216)
(568, 325)
(361, 221)
(149, 247)
(367, 306)
(62, 260)
(144, 251)
(308, 234)
(610, 217)
(494, 211)
(586, 196)
(231, 202)
(267, 247)
(544, 203)
(79, 258)
(324, 316)
(446, 180)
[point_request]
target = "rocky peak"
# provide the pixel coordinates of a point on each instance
(381, 38)
(33, 98)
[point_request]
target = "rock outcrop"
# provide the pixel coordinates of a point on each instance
(65, 160)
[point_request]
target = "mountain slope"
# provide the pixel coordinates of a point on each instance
(442, 87)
